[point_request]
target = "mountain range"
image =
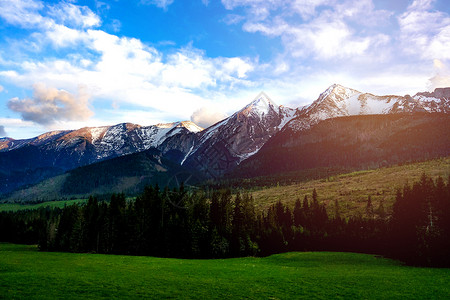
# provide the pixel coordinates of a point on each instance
(239, 142)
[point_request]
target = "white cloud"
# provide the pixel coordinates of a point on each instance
(425, 32)
(363, 12)
(307, 8)
(74, 15)
(231, 19)
(164, 4)
(116, 25)
(324, 30)
(13, 122)
(18, 128)
(421, 5)
(322, 41)
(237, 66)
(442, 75)
(322, 38)
(125, 70)
(62, 36)
(2, 131)
(50, 105)
(258, 10)
(24, 13)
(1, 88)
(207, 116)
(439, 81)
(187, 69)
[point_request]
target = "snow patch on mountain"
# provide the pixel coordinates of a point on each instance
(286, 114)
(97, 133)
(261, 106)
(234, 139)
(191, 126)
(338, 101)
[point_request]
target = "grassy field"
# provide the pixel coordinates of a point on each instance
(51, 204)
(27, 273)
(352, 189)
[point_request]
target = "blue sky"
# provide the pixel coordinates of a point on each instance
(71, 64)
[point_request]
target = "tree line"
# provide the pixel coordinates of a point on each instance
(215, 224)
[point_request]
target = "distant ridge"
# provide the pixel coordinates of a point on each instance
(213, 151)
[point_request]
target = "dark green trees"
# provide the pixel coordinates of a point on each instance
(206, 224)
(420, 223)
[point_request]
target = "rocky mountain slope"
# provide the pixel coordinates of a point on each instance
(128, 174)
(213, 151)
(352, 143)
(29, 161)
(339, 101)
(106, 141)
(224, 145)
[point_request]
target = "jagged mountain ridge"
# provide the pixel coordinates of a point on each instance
(339, 101)
(30, 161)
(228, 142)
(351, 143)
(106, 140)
(213, 151)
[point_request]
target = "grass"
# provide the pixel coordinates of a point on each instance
(28, 273)
(51, 204)
(352, 189)
(46, 190)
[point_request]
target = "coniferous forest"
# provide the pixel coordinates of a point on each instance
(218, 223)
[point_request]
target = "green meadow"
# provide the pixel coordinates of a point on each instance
(50, 204)
(27, 273)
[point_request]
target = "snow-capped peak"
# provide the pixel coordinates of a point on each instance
(260, 106)
(337, 101)
(263, 99)
(191, 126)
(338, 92)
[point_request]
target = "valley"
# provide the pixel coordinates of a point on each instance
(351, 189)
(231, 149)
(350, 172)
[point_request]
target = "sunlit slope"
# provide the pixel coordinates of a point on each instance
(352, 189)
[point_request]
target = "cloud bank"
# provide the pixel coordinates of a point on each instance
(312, 44)
(207, 116)
(442, 77)
(2, 131)
(50, 105)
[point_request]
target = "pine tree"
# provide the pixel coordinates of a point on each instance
(337, 212)
(369, 208)
(381, 211)
(297, 214)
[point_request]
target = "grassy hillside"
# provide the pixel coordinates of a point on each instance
(51, 204)
(46, 190)
(128, 174)
(352, 189)
(27, 273)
